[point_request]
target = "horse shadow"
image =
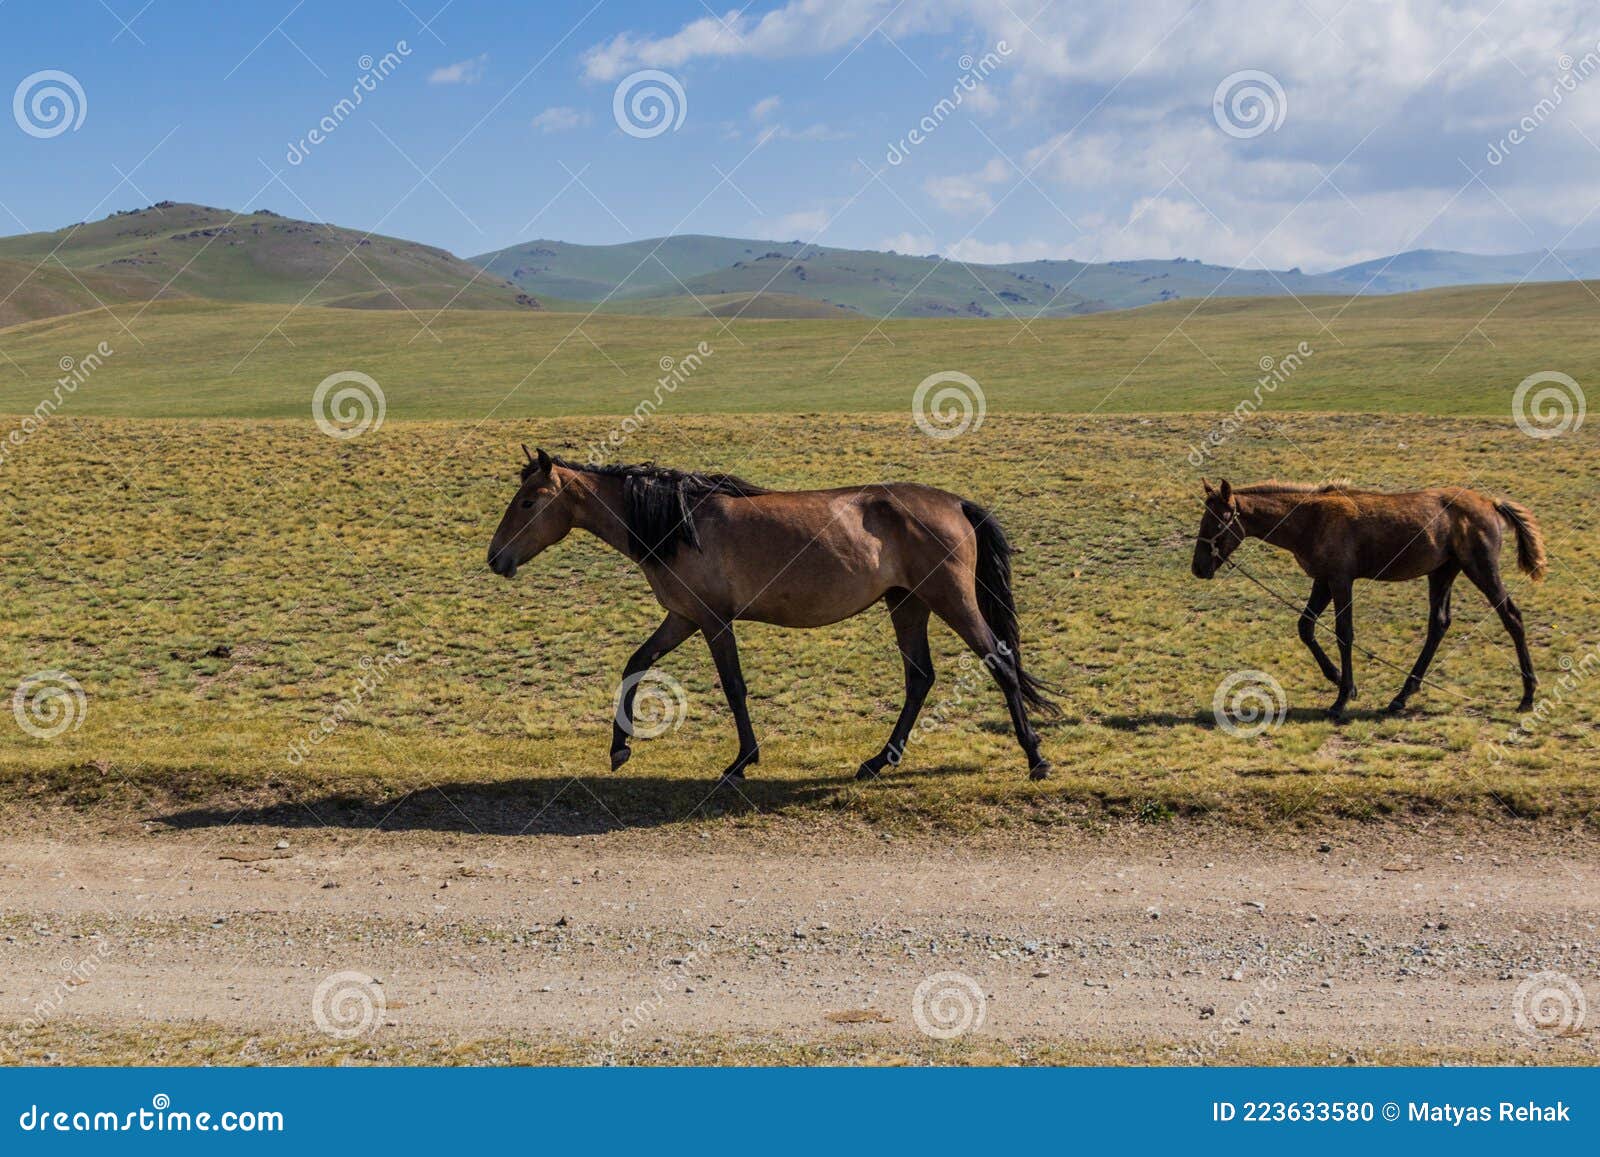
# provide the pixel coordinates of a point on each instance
(555, 805)
(1206, 721)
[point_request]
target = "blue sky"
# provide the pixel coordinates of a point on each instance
(1084, 129)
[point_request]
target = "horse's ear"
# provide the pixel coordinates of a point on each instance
(544, 461)
(1210, 489)
(528, 453)
(1225, 491)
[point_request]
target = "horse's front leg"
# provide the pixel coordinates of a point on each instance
(674, 629)
(1321, 594)
(1345, 630)
(725, 653)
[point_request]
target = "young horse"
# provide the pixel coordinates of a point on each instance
(1338, 534)
(716, 549)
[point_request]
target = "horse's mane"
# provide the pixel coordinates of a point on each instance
(658, 502)
(1273, 485)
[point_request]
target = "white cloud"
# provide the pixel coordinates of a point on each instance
(1389, 110)
(560, 119)
(802, 225)
(461, 72)
(799, 28)
(817, 132)
(764, 108)
(916, 244)
(967, 193)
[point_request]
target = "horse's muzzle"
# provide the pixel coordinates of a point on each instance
(502, 564)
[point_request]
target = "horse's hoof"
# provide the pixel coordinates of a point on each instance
(867, 771)
(1336, 713)
(1396, 706)
(620, 756)
(1041, 770)
(731, 779)
(1526, 704)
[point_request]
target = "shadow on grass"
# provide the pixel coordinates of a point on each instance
(1206, 721)
(590, 805)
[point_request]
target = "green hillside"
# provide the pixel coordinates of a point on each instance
(907, 286)
(31, 290)
(868, 282)
(1456, 351)
(256, 257)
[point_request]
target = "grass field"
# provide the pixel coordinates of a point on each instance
(1448, 352)
(210, 1044)
(216, 587)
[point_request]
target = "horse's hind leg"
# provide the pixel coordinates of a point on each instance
(725, 652)
(1321, 595)
(674, 629)
(1439, 583)
(960, 610)
(1484, 571)
(1345, 629)
(910, 616)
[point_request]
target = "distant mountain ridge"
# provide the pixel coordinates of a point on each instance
(667, 275)
(174, 249)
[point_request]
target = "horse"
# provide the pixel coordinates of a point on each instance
(717, 550)
(1339, 534)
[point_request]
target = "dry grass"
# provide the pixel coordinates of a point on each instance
(216, 586)
(65, 1041)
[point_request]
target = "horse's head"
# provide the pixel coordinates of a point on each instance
(1221, 530)
(540, 515)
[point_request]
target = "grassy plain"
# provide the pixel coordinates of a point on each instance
(1448, 352)
(217, 587)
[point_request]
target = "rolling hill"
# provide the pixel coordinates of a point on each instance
(173, 249)
(1458, 351)
(703, 273)
(187, 250)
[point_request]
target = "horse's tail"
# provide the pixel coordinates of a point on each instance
(998, 607)
(1530, 539)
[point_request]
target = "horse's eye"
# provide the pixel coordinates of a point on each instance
(527, 504)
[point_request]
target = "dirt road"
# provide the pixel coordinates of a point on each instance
(1364, 939)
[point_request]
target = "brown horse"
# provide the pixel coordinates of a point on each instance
(716, 550)
(1339, 534)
